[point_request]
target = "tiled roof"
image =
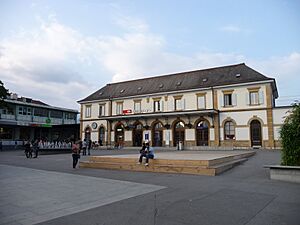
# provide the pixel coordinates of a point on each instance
(219, 76)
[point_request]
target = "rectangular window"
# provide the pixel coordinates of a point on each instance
(88, 111)
(201, 102)
(101, 110)
(70, 116)
(23, 110)
(28, 111)
(178, 104)
(20, 110)
(119, 108)
(41, 112)
(227, 99)
(254, 99)
(156, 106)
(56, 114)
(137, 107)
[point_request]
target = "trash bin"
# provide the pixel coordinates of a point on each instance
(180, 145)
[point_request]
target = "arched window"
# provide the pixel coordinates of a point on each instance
(202, 131)
(229, 130)
(157, 136)
(179, 125)
(178, 133)
(101, 138)
(158, 125)
(137, 134)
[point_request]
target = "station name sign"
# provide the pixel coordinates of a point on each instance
(130, 111)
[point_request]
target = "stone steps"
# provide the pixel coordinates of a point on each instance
(209, 167)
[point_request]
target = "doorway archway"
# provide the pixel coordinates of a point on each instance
(137, 134)
(101, 139)
(157, 134)
(87, 133)
(255, 133)
(202, 129)
(119, 135)
(179, 132)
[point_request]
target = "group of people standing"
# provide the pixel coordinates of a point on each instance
(31, 147)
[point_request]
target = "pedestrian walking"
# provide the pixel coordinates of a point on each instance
(35, 147)
(84, 146)
(75, 153)
(28, 150)
(89, 146)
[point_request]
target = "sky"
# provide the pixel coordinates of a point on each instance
(61, 51)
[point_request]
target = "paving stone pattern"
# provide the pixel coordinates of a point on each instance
(30, 196)
(48, 185)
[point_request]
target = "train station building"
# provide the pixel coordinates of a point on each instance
(230, 106)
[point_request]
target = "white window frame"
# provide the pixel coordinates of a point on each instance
(101, 109)
(119, 108)
(254, 98)
(88, 111)
(178, 104)
(228, 99)
(137, 107)
(157, 106)
(230, 130)
(201, 102)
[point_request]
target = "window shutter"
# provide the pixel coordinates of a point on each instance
(183, 104)
(234, 100)
(171, 105)
(261, 97)
(162, 105)
(221, 100)
(248, 98)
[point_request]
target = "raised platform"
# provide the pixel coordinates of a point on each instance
(208, 163)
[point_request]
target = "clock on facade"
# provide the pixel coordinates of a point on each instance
(94, 125)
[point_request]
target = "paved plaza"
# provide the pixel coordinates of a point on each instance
(47, 190)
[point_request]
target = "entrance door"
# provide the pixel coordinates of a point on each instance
(255, 131)
(101, 136)
(137, 135)
(157, 134)
(87, 134)
(202, 134)
(179, 133)
(119, 136)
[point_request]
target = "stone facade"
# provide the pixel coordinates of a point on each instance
(238, 114)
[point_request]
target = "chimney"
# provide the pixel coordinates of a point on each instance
(13, 96)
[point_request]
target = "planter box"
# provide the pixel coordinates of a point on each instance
(284, 173)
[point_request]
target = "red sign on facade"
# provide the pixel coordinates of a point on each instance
(127, 111)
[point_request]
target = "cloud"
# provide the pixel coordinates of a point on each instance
(286, 70)
(131, 24)
(230, 28)
(59, 65)
(234, 29)
(45, 63)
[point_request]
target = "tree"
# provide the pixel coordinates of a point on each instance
(290, 138)
(3, 94)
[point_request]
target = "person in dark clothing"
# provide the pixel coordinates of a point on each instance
(75, 153)
(89, 146)
(28, 151)
(142, 153)
(35, 147)
(84, 147)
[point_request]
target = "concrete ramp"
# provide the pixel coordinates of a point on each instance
(187, 162)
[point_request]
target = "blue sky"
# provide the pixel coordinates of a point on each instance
(62, 51)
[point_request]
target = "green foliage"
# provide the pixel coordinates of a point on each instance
(3, 94)
(290, 138)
